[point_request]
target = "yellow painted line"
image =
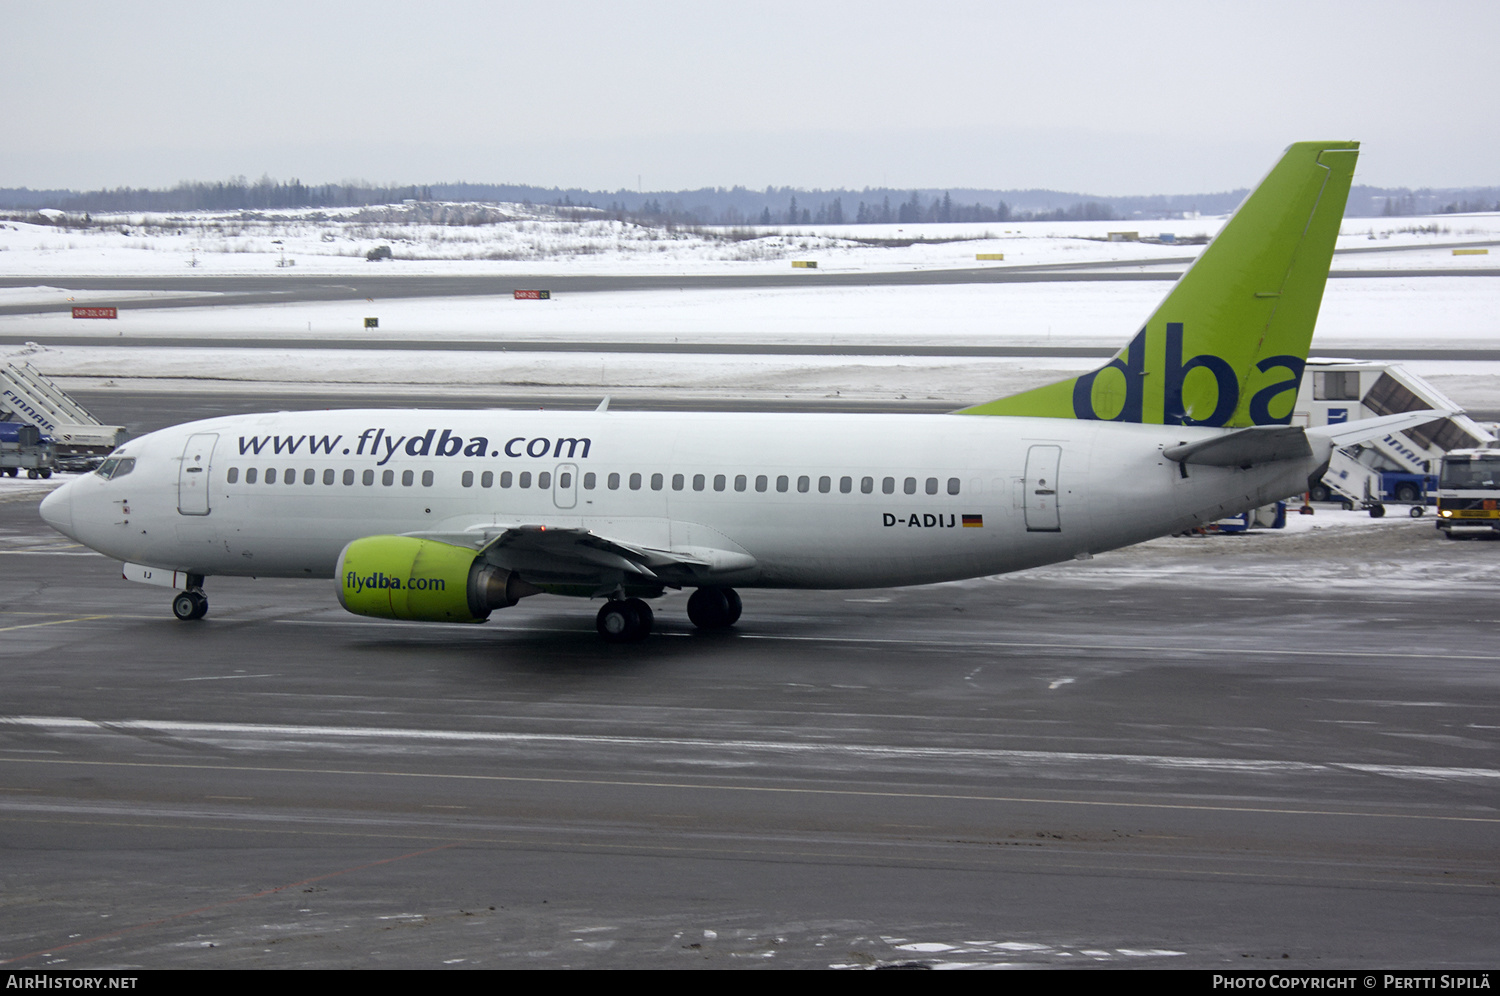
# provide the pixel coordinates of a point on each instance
(1471, 252)
(806, 264)
(989, 255)
(53, 622)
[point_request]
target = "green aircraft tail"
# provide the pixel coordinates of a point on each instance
(1228, 345)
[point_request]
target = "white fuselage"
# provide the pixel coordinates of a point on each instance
(811, 501)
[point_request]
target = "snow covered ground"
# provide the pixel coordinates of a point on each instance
(1423, 312)
(538, 241)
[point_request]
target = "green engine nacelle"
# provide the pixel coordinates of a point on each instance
(403, 577)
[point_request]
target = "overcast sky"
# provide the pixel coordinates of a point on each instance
(1104, 98)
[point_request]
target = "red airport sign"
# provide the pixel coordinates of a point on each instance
(533, 295)
(95, 313)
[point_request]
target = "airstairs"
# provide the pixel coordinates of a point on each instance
(1400, 466)
(29, 397)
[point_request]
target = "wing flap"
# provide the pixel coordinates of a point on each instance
(577, 555)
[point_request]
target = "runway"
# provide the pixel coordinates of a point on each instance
(241, 291)
(1272, 751)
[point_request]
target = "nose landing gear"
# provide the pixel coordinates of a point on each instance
(191, 603)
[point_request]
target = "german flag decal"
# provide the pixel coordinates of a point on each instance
(976, 521)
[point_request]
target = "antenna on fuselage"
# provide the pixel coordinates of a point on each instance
(603, 405)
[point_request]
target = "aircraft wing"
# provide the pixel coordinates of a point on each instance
(544, 554)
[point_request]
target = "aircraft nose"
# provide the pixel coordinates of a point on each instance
(57, 510)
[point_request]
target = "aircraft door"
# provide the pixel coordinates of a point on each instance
(193, 476)
(565, 486)
(1042, 490)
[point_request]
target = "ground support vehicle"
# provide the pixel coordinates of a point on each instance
(1469, 493)
(1399, 467)
(22, 447)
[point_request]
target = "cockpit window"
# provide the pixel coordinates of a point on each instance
(116, 467)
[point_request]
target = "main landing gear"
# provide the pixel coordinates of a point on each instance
(714, 608)
(627, 620)
(191, 603)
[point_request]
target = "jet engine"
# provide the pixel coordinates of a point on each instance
(404, 577)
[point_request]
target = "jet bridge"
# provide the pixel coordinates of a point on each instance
(28, 396)
(1399, 466)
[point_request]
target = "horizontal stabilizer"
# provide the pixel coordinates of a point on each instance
(1245, 448)
(1348, 433)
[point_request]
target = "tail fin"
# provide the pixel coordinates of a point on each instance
(1228, 345)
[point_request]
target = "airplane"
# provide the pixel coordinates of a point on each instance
(446, 516)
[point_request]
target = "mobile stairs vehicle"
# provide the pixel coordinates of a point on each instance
(28, 396)
(1399, 467)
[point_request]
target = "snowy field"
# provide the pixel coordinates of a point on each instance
(537, 241)
(1423, 312)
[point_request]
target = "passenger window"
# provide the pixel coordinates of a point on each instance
(407, 477)
(544, 480)
(525, 479)
(369, 478)
(866, 485)
(309, 476)
(588, 481)
(506, 479)
(614, 482)
(910, 486)
(250, 475)
(803, 483)
(635, 482)
(678, 482)
(761, 482)
(888, 486)
(487, 479)
(426, 478)
(698, 482)
(953, 485)
(565, 480)
(290, 476)
(233, 476)
(388, 478)
(932, 485)
(846, 485)
(270, 475)
(348, 478)
(656, 482)
(328, 476)
(783, 482)
(718, 482)
(825, 484)
(739, 482)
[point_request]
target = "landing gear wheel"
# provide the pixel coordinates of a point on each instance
(714, 608)
(190, 605)
(625, 621)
